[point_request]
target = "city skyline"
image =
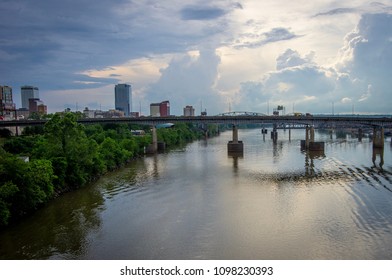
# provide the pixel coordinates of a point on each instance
(318, 57)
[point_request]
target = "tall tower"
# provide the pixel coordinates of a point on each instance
(7, 106)
(122, 98)
(28, 92)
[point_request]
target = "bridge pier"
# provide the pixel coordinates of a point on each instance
(274, 134)
(378, 137)
(360, 134)
(153, 147)
(309, 143)
(235, 146)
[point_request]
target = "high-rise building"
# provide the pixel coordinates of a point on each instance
(122, 98)
(160, 109)
(28, 92)
(164, 108)
(189, 111)
(154, 110)
(7, 105)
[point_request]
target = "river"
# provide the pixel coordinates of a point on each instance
(198, 202)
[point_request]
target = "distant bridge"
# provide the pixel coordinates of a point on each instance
(318, 121)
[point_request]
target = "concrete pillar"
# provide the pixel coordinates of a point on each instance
(307, 137)
(360, 134)
(153, 147)
(154, 138)
(235, 134)
(378, 137)
(235, 147)
(312, 134)
(290, 134)
(274, 134)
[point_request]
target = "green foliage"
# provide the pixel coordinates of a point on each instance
(113, 154)
(178, 135)
(23, 185)
(7, 190)
(20, 145)
(33, 130)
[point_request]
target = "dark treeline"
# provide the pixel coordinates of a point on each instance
(65, 155)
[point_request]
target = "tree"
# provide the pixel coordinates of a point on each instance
(23, 185)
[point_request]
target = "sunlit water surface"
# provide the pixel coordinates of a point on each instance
(198, 202)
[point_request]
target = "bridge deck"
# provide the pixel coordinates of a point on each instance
(318, 120)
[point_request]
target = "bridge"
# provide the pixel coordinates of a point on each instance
(308, 122)
(324, 121)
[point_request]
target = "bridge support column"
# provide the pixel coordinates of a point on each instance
(360, 134)
(153, 147)
(378, 137)
(235, 146)
(309, 143)
(311, 134)
(306, 138)
(274, 134)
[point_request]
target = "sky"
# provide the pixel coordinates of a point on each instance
(316, 56)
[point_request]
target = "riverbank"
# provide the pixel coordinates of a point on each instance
(65, 155)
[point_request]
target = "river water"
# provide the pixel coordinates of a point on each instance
(198, 202)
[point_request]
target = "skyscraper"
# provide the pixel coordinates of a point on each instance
(7, 106)
(122, 98)
(26, 93)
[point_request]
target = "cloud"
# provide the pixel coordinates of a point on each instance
(364, 66)
(366, 57)
(274, 35)
(47, 44)
(366, 8)
(188, 80)
(291, 58)
(337, 12)
(205, 10)
(278, 34)
(346, 100)
(188, 51)
(366, 95)
(201, 13)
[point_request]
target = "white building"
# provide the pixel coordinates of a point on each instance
(155, 109)
(189, 111)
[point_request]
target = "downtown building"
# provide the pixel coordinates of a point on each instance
(189, 111)
(161, 109)
(31, 102)
(28, 92)
(122, 98)
(7, 105)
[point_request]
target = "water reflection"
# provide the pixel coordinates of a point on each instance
(378, 152)
(60, 230)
